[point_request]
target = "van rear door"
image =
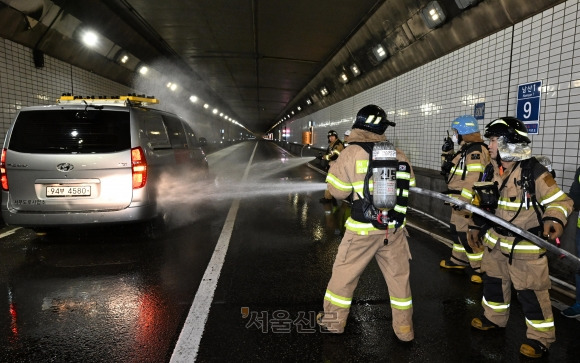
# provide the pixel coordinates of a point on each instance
(61, 159)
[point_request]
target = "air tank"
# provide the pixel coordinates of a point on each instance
(384, 164)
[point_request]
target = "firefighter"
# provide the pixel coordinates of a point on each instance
(529, 198)
(345, 138)
(462, 170)
(343, 211)
(574, 193)
(362, 241)
(335, 146)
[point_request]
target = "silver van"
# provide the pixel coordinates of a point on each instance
(93, 160)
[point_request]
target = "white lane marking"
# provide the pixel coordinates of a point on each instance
(9, 232)
(187, 345)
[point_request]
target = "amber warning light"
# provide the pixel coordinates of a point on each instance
(132, 99)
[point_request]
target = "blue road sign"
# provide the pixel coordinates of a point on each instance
(528, 106)
(479, 111)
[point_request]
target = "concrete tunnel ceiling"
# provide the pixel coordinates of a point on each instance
(259, 61)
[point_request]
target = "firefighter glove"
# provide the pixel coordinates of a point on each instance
(552, 229)
(473, 237)
(398, 217)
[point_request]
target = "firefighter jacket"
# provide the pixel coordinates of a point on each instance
(333, 150)
(517, 207)
(469, 165)
(347, 176)
(575, 193)
(468, 168)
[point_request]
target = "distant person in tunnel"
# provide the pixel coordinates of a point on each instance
(363, 239)
(345, 138)
(335, 146)
(528, 197)
(461, 170)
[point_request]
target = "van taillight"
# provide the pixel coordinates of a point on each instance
(139, 168)
(3, 170)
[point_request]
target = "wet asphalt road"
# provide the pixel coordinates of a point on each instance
(111, 295)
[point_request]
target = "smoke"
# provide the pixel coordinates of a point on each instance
(156, 83)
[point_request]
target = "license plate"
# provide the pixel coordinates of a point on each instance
(76, 191)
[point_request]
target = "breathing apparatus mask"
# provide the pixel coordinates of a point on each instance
(455, 138)
(513, 151)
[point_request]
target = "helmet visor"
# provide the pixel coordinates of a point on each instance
(513, 152)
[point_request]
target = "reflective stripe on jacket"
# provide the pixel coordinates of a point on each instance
(557, 204)
(474, 162)
(347, 174)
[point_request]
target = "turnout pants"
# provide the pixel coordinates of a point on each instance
(531, 280)
(354, 254)
(462, 253)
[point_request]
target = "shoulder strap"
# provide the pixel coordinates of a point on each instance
(367, 146)
(474, 146)
(531, 171)
(464, 150)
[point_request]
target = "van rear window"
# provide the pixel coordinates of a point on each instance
(71, 132)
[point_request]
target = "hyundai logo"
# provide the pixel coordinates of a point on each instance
(64, 167)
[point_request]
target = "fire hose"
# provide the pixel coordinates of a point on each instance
(521, 232)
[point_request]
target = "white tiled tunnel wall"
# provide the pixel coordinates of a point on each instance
(423, 102)
(22, 84)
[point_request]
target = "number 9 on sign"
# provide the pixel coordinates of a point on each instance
(529, 109)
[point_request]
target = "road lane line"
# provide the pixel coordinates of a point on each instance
(9, 232)
(187, 345)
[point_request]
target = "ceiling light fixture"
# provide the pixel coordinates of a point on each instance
(355, 70)
(433, 15)
(380, 52)
(122, 57)
(343, 78)
(90, 38)
(324, 91)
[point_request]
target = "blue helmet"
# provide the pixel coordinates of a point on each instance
(465, 124)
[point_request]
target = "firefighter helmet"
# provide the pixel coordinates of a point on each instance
(511, 128)
(332, 133)
(465, 124)
(372, 118)
(513, 141)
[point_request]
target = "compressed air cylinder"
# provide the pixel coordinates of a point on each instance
(384, 164)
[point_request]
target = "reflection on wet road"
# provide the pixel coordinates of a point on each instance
(108, 294)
